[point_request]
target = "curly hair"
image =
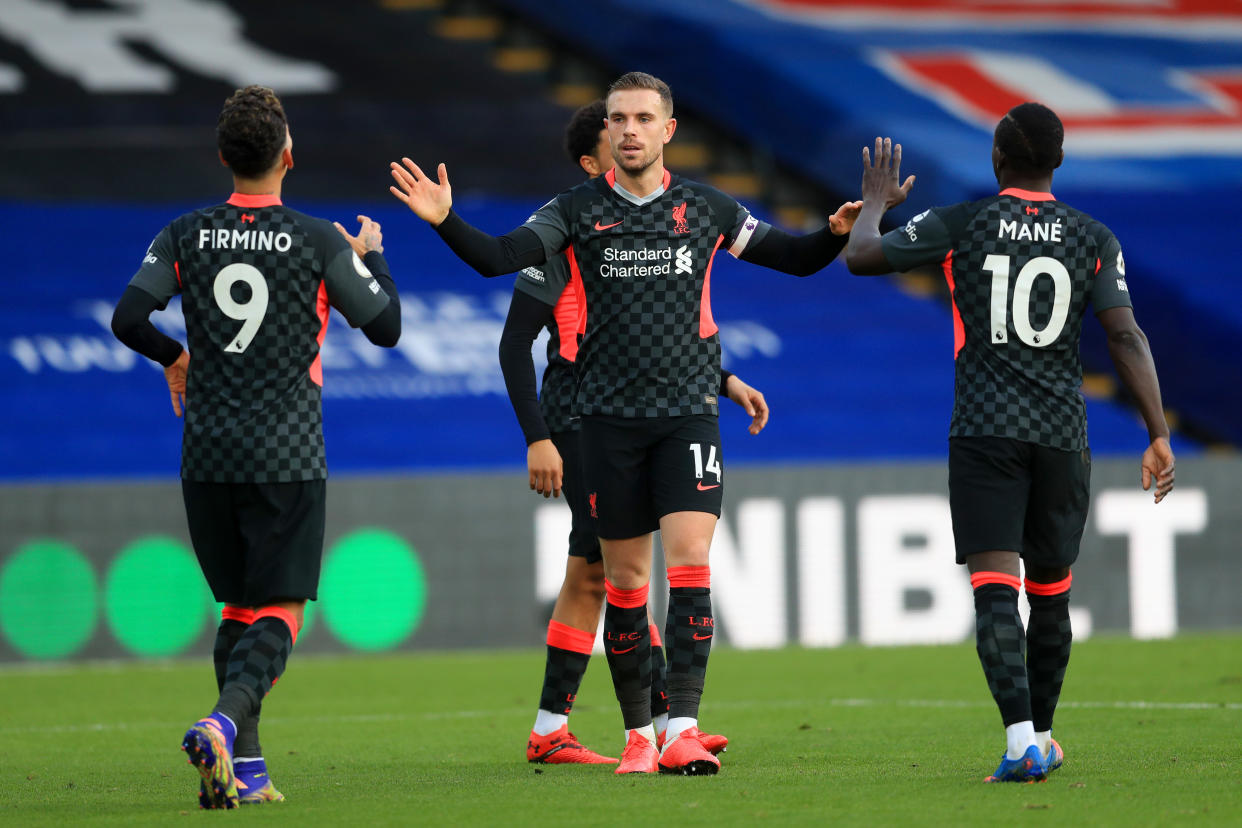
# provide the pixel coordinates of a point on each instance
(251, 131)
(1030, 135)
(582, 133)
(641, 80)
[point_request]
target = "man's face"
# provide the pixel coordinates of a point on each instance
(638, 128)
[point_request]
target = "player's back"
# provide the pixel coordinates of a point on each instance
(1023, 269)
(251, 273)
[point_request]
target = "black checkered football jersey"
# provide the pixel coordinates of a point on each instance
(649, 347)
(553, 284)
(1022, 268)
(256, 280)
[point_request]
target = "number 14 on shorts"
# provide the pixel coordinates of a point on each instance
(713, 464)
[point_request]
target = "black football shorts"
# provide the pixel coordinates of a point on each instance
(582, 540)
(637, 470)
(1013, 496)
(257, 542)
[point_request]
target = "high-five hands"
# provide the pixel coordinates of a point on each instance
(880, 181)
(429, 200)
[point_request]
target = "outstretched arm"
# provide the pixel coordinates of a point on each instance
(433, 202)
(1131, 354)
(804, 255)
(881, 191)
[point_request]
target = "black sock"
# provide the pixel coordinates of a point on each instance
(256, 662)
(1048, 652)
(659, 692)
(688, 630)
(569, 652)
(1001, 644)
(627, 643)
(228, 634)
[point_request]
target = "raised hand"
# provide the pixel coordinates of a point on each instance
(369, 236)
(430, 201)
(842, 221)
(880, 181)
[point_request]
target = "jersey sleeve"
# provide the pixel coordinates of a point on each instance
(551, 224)
(925, 239)
(352, 288)
(744, 230)
(1110, 289)
(545, 283)
(157, 275)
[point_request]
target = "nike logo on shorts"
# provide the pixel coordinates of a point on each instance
(703, 488)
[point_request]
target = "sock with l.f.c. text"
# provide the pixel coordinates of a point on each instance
(688, 632)
(627, 645)
(569, 652)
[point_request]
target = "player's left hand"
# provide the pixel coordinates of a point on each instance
(751, 400)
(175, 376)
(369, 236)
(842, 221)
(879, 181)
(546, 469)
(1157, 466)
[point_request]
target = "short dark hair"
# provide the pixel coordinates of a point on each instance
(582, 133)
(1030, 135)
(641, 80)
(251, 131)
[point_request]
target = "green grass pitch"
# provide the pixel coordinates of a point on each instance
(852, 736)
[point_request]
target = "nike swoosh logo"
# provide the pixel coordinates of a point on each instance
(599, 226)
(615, 651)
(703, 488)
(698, 637)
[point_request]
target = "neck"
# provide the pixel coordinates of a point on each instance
(267, 185)
(1033, 183)
(643, 183)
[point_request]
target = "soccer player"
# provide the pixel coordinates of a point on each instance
(544, 298)
(642, 240)
(1023, 268)
(256, 280)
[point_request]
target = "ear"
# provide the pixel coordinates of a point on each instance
(286, 157)
(589, 165)
(669, 129)
(220, 155)
(1060, 159)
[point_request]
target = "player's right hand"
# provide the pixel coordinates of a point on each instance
(175, 375)
(430, 201)
(1157, 465)
(547, 471)
(880, 181)
(369, 236)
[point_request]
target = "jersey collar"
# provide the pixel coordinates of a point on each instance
(252, 201)
(1027, 195)
(611, 178)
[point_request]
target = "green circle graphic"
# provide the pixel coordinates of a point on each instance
(155, 597)
(48, 605)
(374, 590)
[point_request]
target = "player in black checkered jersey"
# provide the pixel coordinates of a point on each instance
(546, 297)
(1022, 268)
(256, 280)
(643, 241)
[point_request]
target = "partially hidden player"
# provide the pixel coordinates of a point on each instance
(1023, 268)
(257, 280)
(548, 297)
(643, 240)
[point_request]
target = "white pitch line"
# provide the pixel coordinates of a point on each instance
(383, 718)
